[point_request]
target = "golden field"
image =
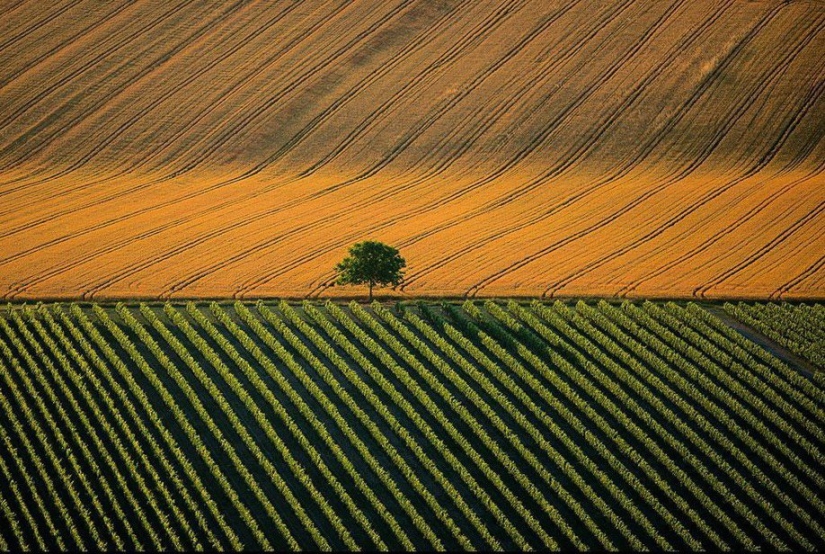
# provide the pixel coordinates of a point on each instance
(506, 147)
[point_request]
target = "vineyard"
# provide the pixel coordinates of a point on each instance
(509, 148)
(799, 328)
(487, 425)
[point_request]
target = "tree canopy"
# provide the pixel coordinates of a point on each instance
(371, 263)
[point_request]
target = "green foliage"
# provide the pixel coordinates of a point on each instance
(371, 263)
(800, 329)
(492, 425)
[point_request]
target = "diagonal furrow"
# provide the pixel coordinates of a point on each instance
(707, 244)
(226, 98)
(763, 161)
(611, 118)
(17, 37)
(110, 49)
(813, 215)
(396, 190)
(427, 122)
(101, 100)
(228, 95)
(223, 53)
(470, 39)
(238, 178)
(151, 233)
(64, 44)
(234, 129)
(733, 116)
(812, 269)
(532, 35)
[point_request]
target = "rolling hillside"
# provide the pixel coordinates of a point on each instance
(506, 147)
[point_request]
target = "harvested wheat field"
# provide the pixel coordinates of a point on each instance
(506, 147)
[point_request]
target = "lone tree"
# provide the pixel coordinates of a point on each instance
(371, 263)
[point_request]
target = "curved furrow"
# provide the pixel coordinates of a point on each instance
(770, 245)
(769, 77)
(669, 181)
(230, 92)
(224, 53)
(522, 116)
(226, 134)
(16, 37)
(18, 177)
(294, 203)
(813, 140)
(33, 280)
(91, 204)
(119, 42)
(225, 98)
(541, 180)
(604, 125)
(648, 236)
(238, 254)
(755, 169)
(812, 269)
(102, 100)
(786, 213)
(344, 240)
(65, 43)
(77, 164)
(534, 145)
(754, 211)
(110, 197)
(809, 101)
(468, 40)
(655, 139)
(395, 190)
(434, 115)
(707, 244)
(142, 265)
(459, 122)
(370, 172)
(700, 291)
(99, 200)
(238, 125)
(190, 280)
(438, 150)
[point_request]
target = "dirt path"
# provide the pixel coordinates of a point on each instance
(796, 362)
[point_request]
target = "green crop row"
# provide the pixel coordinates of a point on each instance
(62, 443)
(800, 330)
(65, 515)
(182, 417)
(283, 354)
(456, 380)
(643, 382)
(585, 381)
(572, 419)
(645, 426)
(341, 393)
(122, 429)
(123, 459)
(136, 411)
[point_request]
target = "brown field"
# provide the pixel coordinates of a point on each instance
(506, 147)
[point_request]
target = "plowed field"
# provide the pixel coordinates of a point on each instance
(506, 147)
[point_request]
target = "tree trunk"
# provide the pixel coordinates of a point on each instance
(370, 292)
